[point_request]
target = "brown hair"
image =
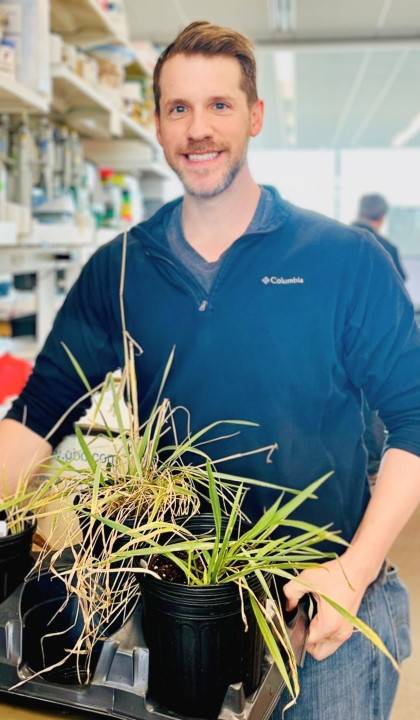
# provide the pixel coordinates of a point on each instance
(203, 38)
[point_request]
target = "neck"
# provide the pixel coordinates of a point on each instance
(374, 224)
(211, 225)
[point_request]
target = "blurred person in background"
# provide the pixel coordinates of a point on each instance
(373, 209)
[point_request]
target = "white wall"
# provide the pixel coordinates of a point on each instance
(305, 177)
(394, 173)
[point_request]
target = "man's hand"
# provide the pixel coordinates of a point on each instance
(328, 630)
(22, 452)
(391, 505)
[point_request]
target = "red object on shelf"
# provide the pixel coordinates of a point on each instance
(106, 174)
(14, 373)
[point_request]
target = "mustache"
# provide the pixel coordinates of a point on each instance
(200, 148)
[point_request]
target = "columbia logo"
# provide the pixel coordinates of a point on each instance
(274, 280)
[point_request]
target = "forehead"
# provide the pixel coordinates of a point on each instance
(200, 75)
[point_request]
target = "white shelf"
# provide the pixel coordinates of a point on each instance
(136, 67)
(44, 242)
(90, 112)
(40, 259)
(16, 98)
(85, 108)
(44, 248)
(18, 304)
(25, 347)
(133, 130)
(105, 235)
(71, 91)
(158, 170)
(85, 24)
(127, 156)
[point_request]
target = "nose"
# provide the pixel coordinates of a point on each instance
(199, 127)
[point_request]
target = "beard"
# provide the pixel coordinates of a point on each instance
(224, 183)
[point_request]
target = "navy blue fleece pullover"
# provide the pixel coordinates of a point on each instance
(301, 318)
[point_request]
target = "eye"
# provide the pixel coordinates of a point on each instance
(178, 109)
(220, 105)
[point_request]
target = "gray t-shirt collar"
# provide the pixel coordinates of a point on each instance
(265, 217)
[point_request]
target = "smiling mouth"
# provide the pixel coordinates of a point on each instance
(202, 157)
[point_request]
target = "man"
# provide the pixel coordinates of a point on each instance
(373, 209)
(273, 321)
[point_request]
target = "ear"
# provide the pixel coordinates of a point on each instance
(257, 117)
(157, 123)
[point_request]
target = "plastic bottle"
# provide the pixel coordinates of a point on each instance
(111, 197)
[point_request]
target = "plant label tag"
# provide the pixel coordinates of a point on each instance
(3, 528)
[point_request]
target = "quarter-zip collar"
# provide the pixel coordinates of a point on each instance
(152, 236)
(151, 233)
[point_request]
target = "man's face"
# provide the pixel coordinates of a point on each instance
(205, 121)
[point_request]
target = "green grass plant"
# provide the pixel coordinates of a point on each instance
(276, 545)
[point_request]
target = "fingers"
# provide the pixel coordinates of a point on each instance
(326, 634)
(330, 627)
(326, 647)
(293, 593)
(322, 650)
(328, 630)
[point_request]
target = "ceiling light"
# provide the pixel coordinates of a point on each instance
(282, 15)
(284, 63)
(404, 137)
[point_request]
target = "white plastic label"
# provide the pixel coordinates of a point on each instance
(3, 528)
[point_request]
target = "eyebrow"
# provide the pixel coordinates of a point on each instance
(215, 98)
(176, 101)
(222, 98)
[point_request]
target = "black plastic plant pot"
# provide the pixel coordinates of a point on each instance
(203, 524)
(52, 621)
(197, 643)
(15, 559)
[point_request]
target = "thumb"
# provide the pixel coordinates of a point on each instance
(293, 592)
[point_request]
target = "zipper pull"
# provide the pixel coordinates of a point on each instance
(203, 306)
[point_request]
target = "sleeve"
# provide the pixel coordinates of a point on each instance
(86, 324)
(399, 266)
(382, 345)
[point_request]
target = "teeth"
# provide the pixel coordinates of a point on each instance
(202, 156)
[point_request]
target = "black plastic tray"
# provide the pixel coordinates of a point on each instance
(119, 685)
